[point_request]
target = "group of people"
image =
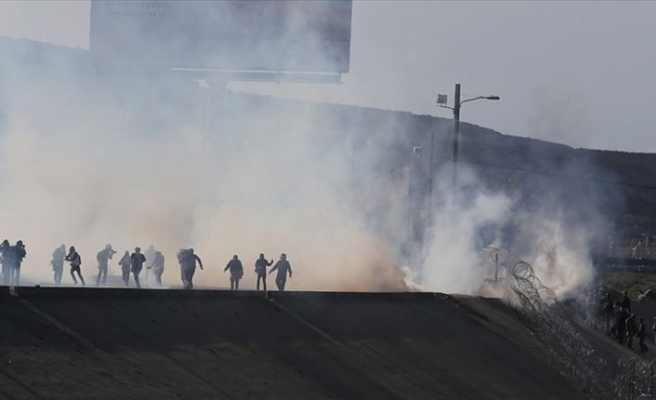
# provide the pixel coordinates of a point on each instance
(132, 264)
(622, 324)
(283, 267)
(11, 258)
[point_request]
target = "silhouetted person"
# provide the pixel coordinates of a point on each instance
(137, 260)
(73, 257)
(126, 264)
(150, 255)
(621, 325)
(18, 254)
(283, 267)
(188, 259)
(606, 309)
(103, 258)
(7, 255)
(158, 267)
(57, 262)
(626, 302)
(631, 330)
(642, 332)
(236, 272)
(260, 269)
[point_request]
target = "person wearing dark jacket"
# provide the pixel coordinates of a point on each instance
(283, 267)
(631, 330)
(260, 269)
(236, 272)
(76, 261)
(137, 260)
(621, 325)
(626, 302)
(188, 259)
(19, 254)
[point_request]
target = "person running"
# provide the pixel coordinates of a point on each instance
(126, 264)
(158, 267)
(137, 260)
(188, 260)
(236, 272)
(260, 269)
(75, 260)
(103, 258)
(57, 262)
(283, 267)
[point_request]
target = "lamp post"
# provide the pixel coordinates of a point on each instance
(457, 103)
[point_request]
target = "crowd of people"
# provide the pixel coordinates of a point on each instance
(621, 324)
(132, 264)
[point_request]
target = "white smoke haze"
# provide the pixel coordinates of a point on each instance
(91, 159)
(97, 168)
(558, 249)
(92, 162)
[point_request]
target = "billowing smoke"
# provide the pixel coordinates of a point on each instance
(94, 158)
(551, 212)
(134, 162)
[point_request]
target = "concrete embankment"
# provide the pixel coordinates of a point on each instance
(63, 343)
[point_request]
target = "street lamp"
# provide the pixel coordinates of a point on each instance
(457, 103)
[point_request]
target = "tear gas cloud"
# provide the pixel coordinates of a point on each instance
(92, 169)
(94, 159)
(553, 221)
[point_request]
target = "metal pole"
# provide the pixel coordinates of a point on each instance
(430, 180)
(456, 134)
(496, 267)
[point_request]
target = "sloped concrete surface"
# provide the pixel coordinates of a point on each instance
(63, 343)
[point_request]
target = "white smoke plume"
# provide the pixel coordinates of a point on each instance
(96, 161)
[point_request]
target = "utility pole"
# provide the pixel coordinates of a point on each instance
(456, 135)
(457, 103)
(431, 167)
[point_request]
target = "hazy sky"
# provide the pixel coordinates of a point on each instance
(581, 73)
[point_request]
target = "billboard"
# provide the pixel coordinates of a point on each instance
(269, 35)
